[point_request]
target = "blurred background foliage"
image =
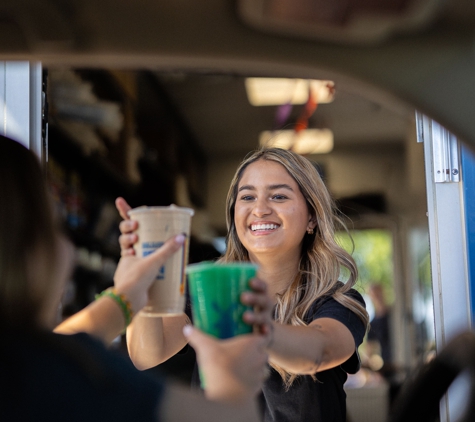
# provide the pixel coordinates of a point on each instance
(373, 252)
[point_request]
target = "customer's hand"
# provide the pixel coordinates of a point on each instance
(234, 369)
(135, 275)
(127, 226)
(102, 318)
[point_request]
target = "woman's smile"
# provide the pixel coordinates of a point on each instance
(263, 228)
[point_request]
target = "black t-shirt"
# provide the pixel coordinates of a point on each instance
(57, 378)
(322, 400)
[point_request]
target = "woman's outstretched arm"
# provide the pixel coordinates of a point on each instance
(323, 344)
(150, 341)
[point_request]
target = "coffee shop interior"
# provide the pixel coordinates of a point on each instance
(175, 137)
(156, 102)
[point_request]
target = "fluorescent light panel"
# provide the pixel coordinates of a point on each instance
(308, 141)
(278, 91)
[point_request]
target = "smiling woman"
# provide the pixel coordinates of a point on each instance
(280, 216)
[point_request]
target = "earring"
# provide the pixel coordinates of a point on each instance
(310, 231)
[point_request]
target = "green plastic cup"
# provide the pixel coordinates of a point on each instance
(215, 290)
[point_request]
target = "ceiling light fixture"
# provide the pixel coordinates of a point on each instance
(308, 141)
(278, 91)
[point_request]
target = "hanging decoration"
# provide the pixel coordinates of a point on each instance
(282, 115)
(302, 121)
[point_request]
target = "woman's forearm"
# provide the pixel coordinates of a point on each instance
(295, 349)
(322, 345)
(153, 340)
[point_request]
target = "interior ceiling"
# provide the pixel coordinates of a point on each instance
(430, 69)
(224, 123)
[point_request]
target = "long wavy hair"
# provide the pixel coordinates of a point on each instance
(28, 237)
(322, 260)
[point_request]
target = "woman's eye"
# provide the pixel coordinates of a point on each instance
(247, 198)
(279, 197)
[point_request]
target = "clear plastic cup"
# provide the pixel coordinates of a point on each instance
(156, 225)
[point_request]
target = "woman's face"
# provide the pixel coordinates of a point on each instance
(271, 214)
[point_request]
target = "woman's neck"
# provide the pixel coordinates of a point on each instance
(276, 272)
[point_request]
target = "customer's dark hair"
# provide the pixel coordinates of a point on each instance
(28, 238)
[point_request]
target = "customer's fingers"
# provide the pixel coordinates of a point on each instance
(127, 252)
(123, 207)
(128, 226)
(197, 338)
(127, 241)
(134, 275)
(171, 246)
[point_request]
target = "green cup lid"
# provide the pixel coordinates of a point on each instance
(212, 265)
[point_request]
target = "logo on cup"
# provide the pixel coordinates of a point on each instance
(147, 249)
(225, 324)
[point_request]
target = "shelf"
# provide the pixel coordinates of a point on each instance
(140, 160)
(97, 174)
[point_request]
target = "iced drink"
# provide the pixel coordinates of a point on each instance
(215, 291)
(156, 225)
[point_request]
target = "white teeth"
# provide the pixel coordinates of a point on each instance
(263, 227)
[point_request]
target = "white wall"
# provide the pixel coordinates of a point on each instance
(21, 103)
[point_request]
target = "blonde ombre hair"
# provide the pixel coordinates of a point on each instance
(322, 259)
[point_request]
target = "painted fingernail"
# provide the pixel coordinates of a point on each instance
(180, 238)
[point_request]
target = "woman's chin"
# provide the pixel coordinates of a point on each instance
(263, 250)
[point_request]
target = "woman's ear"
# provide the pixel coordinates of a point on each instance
(312, 222)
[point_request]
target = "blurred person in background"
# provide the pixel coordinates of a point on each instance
(379, 338)
(379, 348)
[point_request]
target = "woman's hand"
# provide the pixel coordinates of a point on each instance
(127, 226)
(234, 370)
(261, 316)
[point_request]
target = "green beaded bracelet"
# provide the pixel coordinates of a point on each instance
(122, 301)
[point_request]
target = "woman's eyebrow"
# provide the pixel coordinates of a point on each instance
(246, 187)
(280, 186)
(270, 187)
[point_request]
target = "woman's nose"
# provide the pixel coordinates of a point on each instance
(261, 208)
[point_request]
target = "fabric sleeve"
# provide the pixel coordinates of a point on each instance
(329, 308)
